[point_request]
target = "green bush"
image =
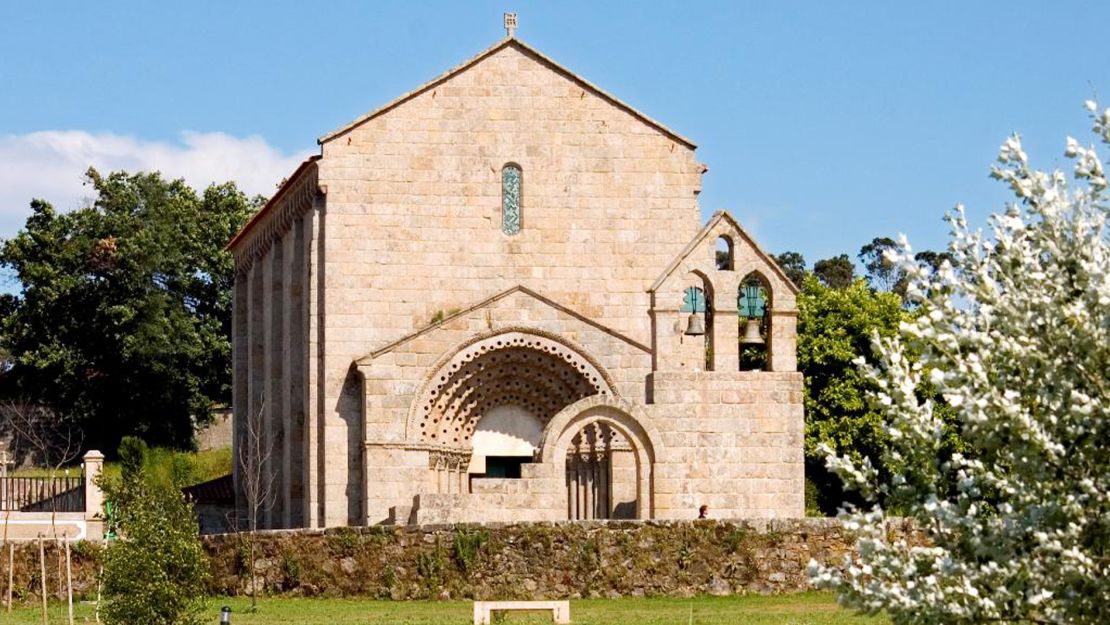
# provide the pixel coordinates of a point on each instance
(156, 573)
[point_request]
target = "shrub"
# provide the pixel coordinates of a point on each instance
(156, 574)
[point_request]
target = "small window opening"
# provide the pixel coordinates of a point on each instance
(504, 466)
(511, 176)
(724, 254)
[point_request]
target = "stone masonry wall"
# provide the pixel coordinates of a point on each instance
(413, 220)
(733, 441)
(495, 561)
(535, 560)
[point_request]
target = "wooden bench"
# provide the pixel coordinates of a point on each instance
(560, 610)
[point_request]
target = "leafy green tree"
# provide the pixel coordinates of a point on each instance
(835, 327)
(882, 273)
(7, 307)
(123, 320)
(886, 275)
(156, 573)
(931, 261)
(794, 265)
(837, 272)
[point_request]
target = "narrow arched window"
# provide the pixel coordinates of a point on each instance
(723, 253)
(510, 198)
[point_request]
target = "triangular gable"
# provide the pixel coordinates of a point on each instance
(700, 238)
(507, 41)
(491, 300)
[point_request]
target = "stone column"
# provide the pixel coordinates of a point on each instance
(94, 497)
(571, 479)
(239, 375)
(783, 349)
(314, 461)
(255, 368)
(276, 386)
(726, 336)
(588, 500)
(293, 397)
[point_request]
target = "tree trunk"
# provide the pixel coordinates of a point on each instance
(11, 558)
(11, 573)
(69, 583)
(99, 589)
(42, 578)
(61, 566)
(254, 578)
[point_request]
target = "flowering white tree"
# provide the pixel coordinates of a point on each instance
(1014, 334)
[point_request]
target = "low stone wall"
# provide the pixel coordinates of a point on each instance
(494, 561)
(533, 560)
(85, 559)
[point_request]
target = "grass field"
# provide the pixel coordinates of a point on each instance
(798, 609)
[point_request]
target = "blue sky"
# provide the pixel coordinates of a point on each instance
(824, 124)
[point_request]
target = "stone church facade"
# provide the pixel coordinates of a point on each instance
(493, 299)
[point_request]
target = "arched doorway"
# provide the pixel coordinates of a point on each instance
(601, 474)
(488, 404)
(608, 456)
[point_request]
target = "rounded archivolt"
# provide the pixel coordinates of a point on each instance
(536, 374)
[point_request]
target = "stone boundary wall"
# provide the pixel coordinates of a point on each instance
(534, 560)
(494, 561)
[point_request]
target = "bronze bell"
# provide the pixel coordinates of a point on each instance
(751, 333)
(695, 325)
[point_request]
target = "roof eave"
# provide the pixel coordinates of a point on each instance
(270, 203)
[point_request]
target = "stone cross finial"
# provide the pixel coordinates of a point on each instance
(510, 23)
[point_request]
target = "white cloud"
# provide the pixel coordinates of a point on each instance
(51, 165)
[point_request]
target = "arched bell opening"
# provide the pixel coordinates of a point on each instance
(753, 304)
(698, 313)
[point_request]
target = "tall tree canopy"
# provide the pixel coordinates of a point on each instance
(794, 265)
(882, 273)
(123, 319)
(886, 275)
(835, 327)
(837, 272)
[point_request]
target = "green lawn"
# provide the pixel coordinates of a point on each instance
(798, 609)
